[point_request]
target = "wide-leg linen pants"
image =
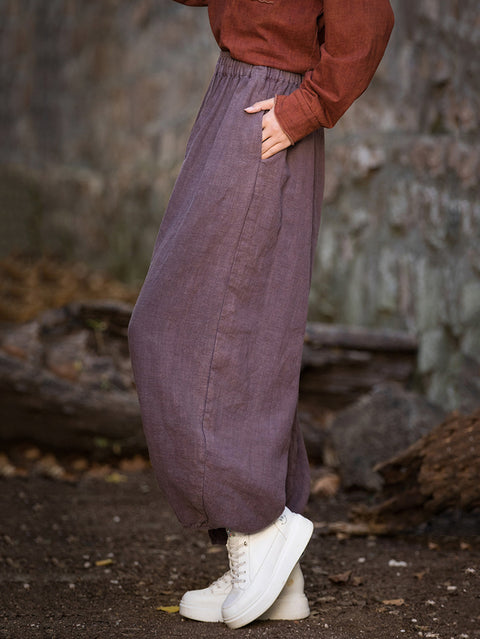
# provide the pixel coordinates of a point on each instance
(216, 334)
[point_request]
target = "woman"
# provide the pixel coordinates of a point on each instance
(216, 334)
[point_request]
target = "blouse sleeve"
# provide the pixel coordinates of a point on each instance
(356, 35)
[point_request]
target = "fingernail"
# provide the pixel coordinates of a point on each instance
(248, 108)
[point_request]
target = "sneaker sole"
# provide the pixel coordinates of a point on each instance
(299, 536)
(201, 613)
(288, 608)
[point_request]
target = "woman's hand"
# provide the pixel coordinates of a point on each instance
(273, 137)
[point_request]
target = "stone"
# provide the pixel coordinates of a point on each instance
(470, 303)
(429, 298)
(434, 351)
(469, 383)
(387, 281)
(375, 428)
(470, 343)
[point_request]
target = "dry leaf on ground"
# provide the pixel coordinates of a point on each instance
(104, 562)
(116, 478)
(169, 609)
(340, 578)
(327, 486)
(393, 602)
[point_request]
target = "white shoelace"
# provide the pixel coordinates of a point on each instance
(236, 552)
(223, 582)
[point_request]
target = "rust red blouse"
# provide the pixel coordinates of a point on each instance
(336, 44)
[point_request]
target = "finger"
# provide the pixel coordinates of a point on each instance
(271, 152)
(270, 125)
(264, 105)
(269, 149)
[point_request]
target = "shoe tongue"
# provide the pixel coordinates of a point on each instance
(232, 533)
(234, 539)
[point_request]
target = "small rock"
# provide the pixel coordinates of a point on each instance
(375, 428)
(397, 564)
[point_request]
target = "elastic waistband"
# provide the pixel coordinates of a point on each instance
(229, 66)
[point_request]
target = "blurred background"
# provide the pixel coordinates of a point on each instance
(96, 103)
(97, 100)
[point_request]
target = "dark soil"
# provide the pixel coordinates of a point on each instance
(53, 533)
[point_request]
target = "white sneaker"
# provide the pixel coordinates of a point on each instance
(206, 604)
(260, 565)
(291, 603)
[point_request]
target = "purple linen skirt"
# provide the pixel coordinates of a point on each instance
(216, 334)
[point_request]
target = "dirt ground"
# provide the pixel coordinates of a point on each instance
(98, 553)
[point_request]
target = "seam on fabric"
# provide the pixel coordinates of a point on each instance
(161, 262)
(316, 158)
(231, 67)
(315, 180)
(220, 315)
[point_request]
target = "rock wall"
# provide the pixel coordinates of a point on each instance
(399, 244)
(97, 102)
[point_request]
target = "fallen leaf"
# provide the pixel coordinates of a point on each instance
(357, 580)
(433, 545)
(169, 538)
(6, 468)
(393, 602)
(116, 478)
(465, 545)
(104, 562)
(325, 599)
(134, 464)
(419, 575)
(98, 471)
(80, 464)
(340, 578)
(32, 453)
(326, 486)
(65, 370)
(169, 609)
(341, 536)
(48, 466)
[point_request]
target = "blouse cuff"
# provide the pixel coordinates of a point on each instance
(295, 116)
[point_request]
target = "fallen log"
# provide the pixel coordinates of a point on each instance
(342, 363)
(437, 473)
(66, 378)
(66, 381)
